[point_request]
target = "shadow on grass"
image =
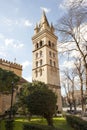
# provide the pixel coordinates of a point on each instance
(62, 124)
(58, 123)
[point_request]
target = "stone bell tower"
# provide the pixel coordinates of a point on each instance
(45, 57)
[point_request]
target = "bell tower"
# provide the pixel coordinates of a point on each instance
(45, 57)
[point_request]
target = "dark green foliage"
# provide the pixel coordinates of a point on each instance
(36, 85)
(6, 80)
(76, 122)
(38, 127)
(21, 99)
(42, 102)
(9, 124)
(38, 100)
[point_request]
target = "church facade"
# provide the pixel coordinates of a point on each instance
(45, 57)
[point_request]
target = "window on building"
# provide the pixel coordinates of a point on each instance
(41, 43)
(40, 62)
(40, 53)
(49, 43)
(50, 62)
(54, 63)
(53, 45)
(37, 45)
(36, 63)
(36, 73)
(40, 72)
(53, 54)
(49, 53)
(36, 55)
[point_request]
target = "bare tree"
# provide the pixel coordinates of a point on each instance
(67, 88)
(74, 3)
(73, 30)
(71, 80)
(80, 72)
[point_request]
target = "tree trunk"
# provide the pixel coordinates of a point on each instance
(82, 100)
(74, 104)
(49, 120)
(86, 77)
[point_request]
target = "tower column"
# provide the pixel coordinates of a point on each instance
(45, 57)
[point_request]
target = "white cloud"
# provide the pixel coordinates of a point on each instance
(9, 42)
(27, 23)
(16, 22)
(68, 64)
(7, 21)
(45, 9)
(28, 78)
(26, 64)
(2, 53)
(75, 54)
(13, 43)
(61, 6)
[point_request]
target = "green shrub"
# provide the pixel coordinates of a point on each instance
(76, 122)
(9, 124)
(38, 127)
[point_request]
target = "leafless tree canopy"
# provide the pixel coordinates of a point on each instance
(72, 30)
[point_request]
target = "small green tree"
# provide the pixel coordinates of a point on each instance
(42, 102)
(6, 79)
(21, 98)
(25, 90)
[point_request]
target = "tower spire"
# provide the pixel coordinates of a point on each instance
(45, 60)
(44, 19)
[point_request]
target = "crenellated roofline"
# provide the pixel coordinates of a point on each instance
(11, 64)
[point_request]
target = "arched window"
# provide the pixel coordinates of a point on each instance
(36, 55)
(49, 53)
(53, 54)
(54, 63)
(49, 43)
(50, 62)
(41, 43)
(40, 62)
(40, 53)
(53, 45)
(36, 63)
(40, 72)
(36, 73)
(37, 45)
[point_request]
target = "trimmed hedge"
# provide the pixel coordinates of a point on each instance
(38, 127)
(76, 122)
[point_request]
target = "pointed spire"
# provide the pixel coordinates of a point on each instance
(43, 14)
(52, 28)
(44, 19)
(36, 28)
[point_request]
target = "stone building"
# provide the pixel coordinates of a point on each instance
(5, 100)
(45, 57)
(7, 65)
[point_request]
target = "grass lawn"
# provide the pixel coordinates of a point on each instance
(58, 122)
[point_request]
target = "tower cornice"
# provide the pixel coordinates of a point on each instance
(44, 46)
(45, 31)
(45, 65)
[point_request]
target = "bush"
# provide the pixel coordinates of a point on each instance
(76, 122)
(38, 127)
(9, 124)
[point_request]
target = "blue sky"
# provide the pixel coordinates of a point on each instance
(17, 22)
